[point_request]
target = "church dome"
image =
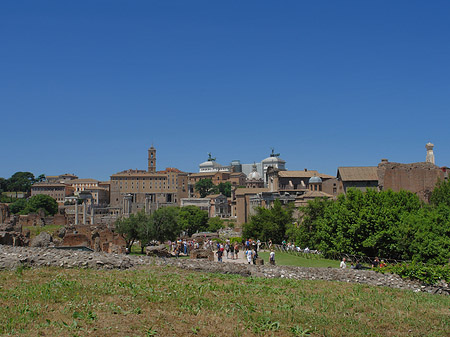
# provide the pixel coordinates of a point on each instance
(254, 175)
(315, 180)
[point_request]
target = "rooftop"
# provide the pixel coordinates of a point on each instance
(358, 173)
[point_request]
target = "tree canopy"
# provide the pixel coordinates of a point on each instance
(269, 224)
(34, 204)
(192, 219)
(205, 187)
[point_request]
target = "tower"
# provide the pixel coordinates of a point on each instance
(152, 160)
(430, 154)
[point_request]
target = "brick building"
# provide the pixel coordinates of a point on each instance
(134, 190)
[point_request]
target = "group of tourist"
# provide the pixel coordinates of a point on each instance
(231, 250)
(357, 265)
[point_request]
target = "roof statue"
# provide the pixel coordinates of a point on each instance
(274, 154)
(210, 158)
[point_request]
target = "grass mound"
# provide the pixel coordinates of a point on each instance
(165, 301)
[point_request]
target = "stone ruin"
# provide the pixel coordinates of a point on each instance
(201, 254)
(11, 232)
(98, 238)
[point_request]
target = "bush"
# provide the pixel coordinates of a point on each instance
(426, 273)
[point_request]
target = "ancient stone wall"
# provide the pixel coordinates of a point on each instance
(4, 213)
(419, 178)
(14, 257)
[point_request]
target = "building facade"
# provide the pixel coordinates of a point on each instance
(134, 190)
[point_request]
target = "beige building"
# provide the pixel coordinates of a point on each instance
(57, 191)
(134, 190)
(292, 182)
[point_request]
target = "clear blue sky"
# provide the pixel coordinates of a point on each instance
(87, 86)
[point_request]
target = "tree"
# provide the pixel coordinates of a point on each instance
(20, 182)
(205, 187)
(164, 224)
(214, 224)
(131, 227)
(192, 219)
(269, 224)
(3, 185)
(18, 206)
(441, 193)
(225, 189)
(41, 201)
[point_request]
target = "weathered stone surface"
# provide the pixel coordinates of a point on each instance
(201, 254)
(158, 251)
(62, 232)
(42, 240)
(12, 257)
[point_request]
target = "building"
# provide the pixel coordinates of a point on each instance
(220, 206)
(357, 177)
(62, 178)
(57, 191)
(292, 182)
(419, 178)
(234, 178)
(254, 179)
(211, 165)
(134, 190)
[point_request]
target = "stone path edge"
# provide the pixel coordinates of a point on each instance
(14, 257)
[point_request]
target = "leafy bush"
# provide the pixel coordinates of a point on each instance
(427, 273)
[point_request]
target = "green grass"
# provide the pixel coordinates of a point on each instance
(165, 301)
(36, 230)
(286, 259)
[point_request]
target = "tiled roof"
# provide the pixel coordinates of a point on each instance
(243, 191)
(303, 174)
(358, 173)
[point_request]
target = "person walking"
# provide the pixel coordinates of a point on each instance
(272, 258)
(343, 265)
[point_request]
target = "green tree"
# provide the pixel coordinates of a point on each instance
(269, 223)
(165, 224)
(41, 201)
(303, 232)
(20, 182)
(131, 227)
(214, 224)
(3, 185)
(441, 193)
(205, 187)
(18, 206)
(225, 189)
(192, 219)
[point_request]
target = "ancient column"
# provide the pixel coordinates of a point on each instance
(84, 212)
(76, 212)
(92, 215)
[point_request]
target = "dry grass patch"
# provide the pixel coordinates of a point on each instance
(165, 301)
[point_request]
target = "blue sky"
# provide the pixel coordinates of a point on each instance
(87, 86)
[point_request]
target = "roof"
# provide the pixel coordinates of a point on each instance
(44, 183)
(203, 174)
(82, 181)
(243, 191)
(137, 173)
(303, 174)
(171, 170)
(314, 194)
(358, 173)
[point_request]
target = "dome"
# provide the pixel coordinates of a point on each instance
(254, 175)
(270, 160)
(315, 180)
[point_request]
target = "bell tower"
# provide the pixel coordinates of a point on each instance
(152, 160)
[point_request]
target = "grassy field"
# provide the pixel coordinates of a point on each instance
(36, 230)
(164, 301)
(286, 259)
